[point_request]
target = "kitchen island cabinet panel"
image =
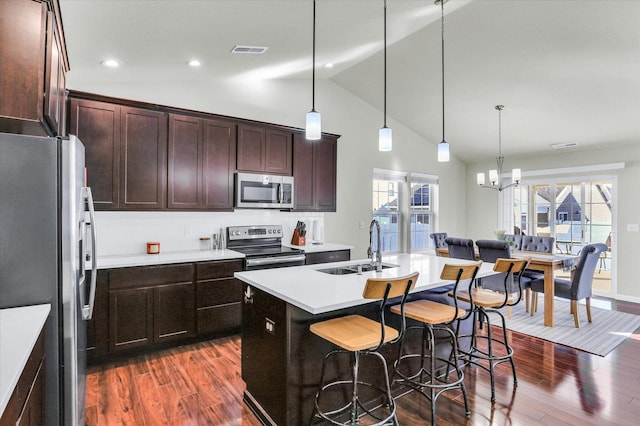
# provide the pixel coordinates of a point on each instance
(97, 125)
(143, 158)
(327, 257)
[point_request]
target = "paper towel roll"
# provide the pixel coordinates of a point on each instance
(318, 232)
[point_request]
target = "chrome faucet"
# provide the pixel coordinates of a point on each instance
(378, 255)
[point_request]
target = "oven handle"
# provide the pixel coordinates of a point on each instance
(274, 260)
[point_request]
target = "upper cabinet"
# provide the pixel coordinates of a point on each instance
(125, 153)
(200, 163)
(33, 65)
(263, 149)
(314, 171)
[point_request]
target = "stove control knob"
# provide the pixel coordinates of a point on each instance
(237, 232)
(269, 231)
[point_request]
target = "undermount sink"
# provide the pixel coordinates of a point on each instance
(353, 269)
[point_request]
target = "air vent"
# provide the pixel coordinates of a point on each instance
(564, 145)
(253, 50)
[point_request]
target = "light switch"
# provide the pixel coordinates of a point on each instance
(632, 227)
(361, 224)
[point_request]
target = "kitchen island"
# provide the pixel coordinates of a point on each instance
(281, 358)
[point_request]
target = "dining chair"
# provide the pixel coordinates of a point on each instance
(359, 336)
(579, 287)
(460, 248)
(538, 244)
(483, 302)
(439, 239)
(605, 254)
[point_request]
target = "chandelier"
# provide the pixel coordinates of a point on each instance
(495, 176)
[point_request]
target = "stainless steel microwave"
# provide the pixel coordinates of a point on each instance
(263, 191)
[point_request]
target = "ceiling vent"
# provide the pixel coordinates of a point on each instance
(253, 50)
(564, 145)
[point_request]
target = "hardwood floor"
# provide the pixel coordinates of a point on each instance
(200, 384)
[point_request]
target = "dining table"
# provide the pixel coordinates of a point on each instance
(547, 263)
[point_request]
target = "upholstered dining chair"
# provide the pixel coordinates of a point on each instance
(460, 248)
(579, 287)
(538, 244)
(439, 239)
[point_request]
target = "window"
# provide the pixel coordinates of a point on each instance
(387, 186)
(405, 210)
(422, 195)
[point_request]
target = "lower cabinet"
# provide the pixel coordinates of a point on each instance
(327, 256)
(144, 307)
(26, 404)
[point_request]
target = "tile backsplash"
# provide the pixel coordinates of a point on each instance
(121, 233)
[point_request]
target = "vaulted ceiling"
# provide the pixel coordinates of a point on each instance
(566, 71)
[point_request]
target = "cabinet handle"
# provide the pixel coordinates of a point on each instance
(248, 296)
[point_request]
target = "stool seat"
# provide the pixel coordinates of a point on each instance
(430, 312)
(353, 332)
(485, 297)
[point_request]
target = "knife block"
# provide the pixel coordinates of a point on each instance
(297, 240)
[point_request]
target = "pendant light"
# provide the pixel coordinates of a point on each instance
(385, 135)
(495, 176)
(313, 126)
(443, 146)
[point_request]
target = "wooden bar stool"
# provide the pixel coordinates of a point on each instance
(485, 301)
(411, 368)
(357, 336)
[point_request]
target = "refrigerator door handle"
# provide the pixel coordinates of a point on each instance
(87, 310)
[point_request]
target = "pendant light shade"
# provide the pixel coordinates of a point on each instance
(314, 125)
(443, 152)
(314, 121)
(443, 147)
(385, 139)
(385, 135)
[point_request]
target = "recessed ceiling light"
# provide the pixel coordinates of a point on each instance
(329, 65)
(194, 63)
(564, 145)
(111, 63)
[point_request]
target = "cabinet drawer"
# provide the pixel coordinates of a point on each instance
(219, 269)
(218, 292)
(220, 319)
(145, 276)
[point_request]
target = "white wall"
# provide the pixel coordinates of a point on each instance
(287, 102)
(482, 222)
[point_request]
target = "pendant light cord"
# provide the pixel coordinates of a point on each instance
(442, 53)
(385, 63)
(313, 72)
(500, 108)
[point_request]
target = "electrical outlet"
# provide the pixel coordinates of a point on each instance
(361, 224)
(270, 326)
(188, 230)
(632, 227)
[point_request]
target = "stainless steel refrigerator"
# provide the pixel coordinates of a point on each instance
(43, 229)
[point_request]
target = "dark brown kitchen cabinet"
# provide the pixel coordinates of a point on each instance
(200, 163)
(26, 404)
(150, 305)
(143, 158)
(263, 149)
(98, 325)
(33, 63)
(314, 171)
(327, 256)
(219, 298)
(97, 125)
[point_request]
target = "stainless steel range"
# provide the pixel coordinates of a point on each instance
(262, 246)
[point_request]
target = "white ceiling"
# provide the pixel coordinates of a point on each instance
(566, 71)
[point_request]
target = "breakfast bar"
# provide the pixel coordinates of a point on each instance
(281, 358)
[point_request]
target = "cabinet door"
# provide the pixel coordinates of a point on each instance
(53, 96)
(303, 173)
(130, 318)
(250, 149)
(325, 174)
(143, 154)
(174, 311)
(278, 152)
(98, 326)
(218, 164)
(97, 125)
(22, 68)
(184, 179)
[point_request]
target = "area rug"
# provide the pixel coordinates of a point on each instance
(605, 333)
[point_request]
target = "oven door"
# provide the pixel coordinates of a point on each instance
(270, 262)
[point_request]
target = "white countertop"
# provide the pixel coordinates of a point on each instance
(143, 259)
(317, 248)
(317, 292)
(19, 331)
